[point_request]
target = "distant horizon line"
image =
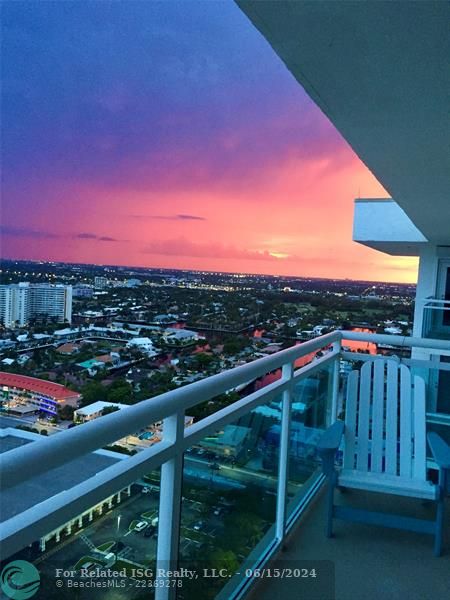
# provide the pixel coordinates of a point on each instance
(23, 260)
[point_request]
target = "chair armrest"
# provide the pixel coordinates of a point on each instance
(331, 438)
(440, 450)
(329, 444)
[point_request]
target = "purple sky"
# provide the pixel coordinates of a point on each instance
(169, 134)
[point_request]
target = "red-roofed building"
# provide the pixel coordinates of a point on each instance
(112, 359)
(20, 391)
(68, 348)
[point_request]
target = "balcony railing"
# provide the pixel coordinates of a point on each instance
(436, 319)
(263, 456)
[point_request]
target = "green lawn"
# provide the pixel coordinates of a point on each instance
(133, 524)
(192, 534)
(85, 559)
(106, 546)
(150, 514)
(121, 564)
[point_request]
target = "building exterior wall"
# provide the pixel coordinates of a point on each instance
(42, 402)
(426, 284)
(14, 305)
(80, 417)
(82, 291)
(6, 316)
(431, 257)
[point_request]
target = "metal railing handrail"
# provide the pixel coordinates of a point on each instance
(397, 340)
(431, 300)
(436, 298)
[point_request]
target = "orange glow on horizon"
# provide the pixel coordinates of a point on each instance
(295, 221)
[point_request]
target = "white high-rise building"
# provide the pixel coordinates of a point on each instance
(14, 304)
(19, 303)
(6, 305)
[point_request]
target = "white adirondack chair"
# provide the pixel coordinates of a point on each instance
(385, 447)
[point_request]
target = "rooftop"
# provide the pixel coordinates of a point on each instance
(67, 348)
(180, 333)
(40, 386)
(140, 341)
(105, 358)
(95, 407)
(55, 481)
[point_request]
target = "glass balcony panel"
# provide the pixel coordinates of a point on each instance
(436, 320)
(229, 498)
(442, 428)
(438, 399)
(311, 414)
(119, 533)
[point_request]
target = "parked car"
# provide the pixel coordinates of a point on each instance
(198, 525)
(146, 490)
(140, 526)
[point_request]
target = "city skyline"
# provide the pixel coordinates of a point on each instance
(171, 136)
(149, 270)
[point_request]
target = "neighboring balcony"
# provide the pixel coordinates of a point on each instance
(436, 319)
(227, 492)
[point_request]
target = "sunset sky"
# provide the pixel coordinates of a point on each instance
(169, 134)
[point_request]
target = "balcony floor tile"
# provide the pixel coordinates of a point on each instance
(371, 563)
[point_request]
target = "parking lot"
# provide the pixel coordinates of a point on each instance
(206, 503)
(199, 525)
(112, 527)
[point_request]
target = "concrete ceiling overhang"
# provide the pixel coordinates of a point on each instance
(380, 71)
(383, 225)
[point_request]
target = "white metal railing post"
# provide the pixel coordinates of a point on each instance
(283, 462)
(170, 506)
(337, 347)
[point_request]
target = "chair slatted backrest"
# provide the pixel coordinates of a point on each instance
(385, 421)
